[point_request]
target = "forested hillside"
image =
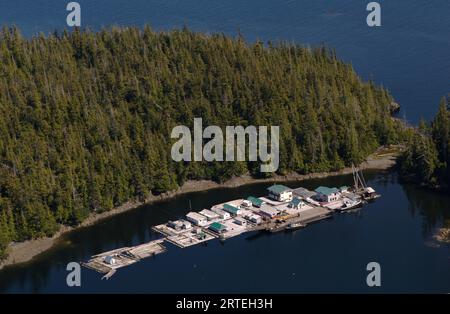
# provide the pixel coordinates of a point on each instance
(427, 158)
(85, 117)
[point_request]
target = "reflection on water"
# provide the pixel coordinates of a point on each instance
(327, 256)
(432, 206)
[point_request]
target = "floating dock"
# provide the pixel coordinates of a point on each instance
(280, 210)
(190, 238)
(305, 217)
(108, 262)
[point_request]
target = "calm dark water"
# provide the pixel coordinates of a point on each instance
(328, 256)
(409, 54)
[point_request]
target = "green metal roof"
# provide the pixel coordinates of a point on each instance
(326, 191)
(231, 209)
(255, 201)
(278, 188)
(215, 226)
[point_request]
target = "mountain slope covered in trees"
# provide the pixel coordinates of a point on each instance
(85, 117)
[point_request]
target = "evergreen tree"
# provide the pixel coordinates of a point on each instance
(427, 155)
(85, 117)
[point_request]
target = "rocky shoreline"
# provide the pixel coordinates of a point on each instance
(25, 251)
(443, 235)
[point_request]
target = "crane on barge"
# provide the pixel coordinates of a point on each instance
(367, 193)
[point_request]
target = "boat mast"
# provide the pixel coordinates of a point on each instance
(362, 178)
(354, 177)
(358, 178)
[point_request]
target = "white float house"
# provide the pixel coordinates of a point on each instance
(233, 210)
(255, 201)
(240, 221)
(217, 227)
(296, 203)
(222, 214)
(325, 194)
(186, 225)
(268, 212)
(280, 193)
(255, 218)
(210, 215)
(177, 224)
(197, 219)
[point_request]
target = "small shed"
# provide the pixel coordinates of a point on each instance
(197, 219)
(255, 201)
(344, 188)
(296, 203)
(325, 194)
(269, 212)
(232, 209)
(240, 221)
(222, 214)
(110, 260)
(217, 227)
(255, 218)
(209, 214)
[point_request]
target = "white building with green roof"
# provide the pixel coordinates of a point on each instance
(256, 202)
(217, 227)
(296, 203)
(325, 194)
(280, 193)
(233, 210)
(222, 214)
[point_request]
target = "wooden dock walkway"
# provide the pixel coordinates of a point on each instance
(282, 217)
(305, 217)
(122, 257)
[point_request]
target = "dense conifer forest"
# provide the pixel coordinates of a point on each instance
(427, 157)
(86, 117)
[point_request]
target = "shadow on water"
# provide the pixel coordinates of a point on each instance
(432, 206)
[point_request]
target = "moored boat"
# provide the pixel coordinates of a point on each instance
(351, 204)
(295, 226)
(367, 193)
(370, 194)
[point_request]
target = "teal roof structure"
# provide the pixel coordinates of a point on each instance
(278, 188)
(326, 191)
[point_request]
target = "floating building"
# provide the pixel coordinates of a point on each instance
(179, 225)
(209, 214)
(217, 227)
(268, 211)
(280, 193)
(256, 202)
(325, 194)
(240, 221)
(222, 214)
(232, 209)
(296, 203)
(197, 219)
